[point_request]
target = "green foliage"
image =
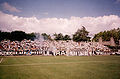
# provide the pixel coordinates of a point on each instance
(4, 35)
(46, 36)
(30, 36)
(16, 35)
(60, 36)
(106, 35)
(66, 37)
(81, 35)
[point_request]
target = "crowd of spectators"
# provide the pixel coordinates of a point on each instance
(46, 47)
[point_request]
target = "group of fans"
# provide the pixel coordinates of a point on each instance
(47, 48)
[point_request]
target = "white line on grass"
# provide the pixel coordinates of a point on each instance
(1, 60)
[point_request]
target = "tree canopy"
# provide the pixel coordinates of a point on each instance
(66, 37)
(46, 36)
(78, 36)
(81, 35)
(16, 35)
(60, 36)
(106, 35)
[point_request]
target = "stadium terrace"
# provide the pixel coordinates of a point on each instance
(52, 48)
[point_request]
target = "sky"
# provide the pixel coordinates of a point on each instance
(59, 16)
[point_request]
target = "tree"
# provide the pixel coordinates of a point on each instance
(58, 36)
(4, 35)
(66, 37)
(18, 35)
(30, 36)
(81, 35)
(46, 36)
(106, 35)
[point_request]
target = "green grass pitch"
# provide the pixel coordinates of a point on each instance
(60, 67)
